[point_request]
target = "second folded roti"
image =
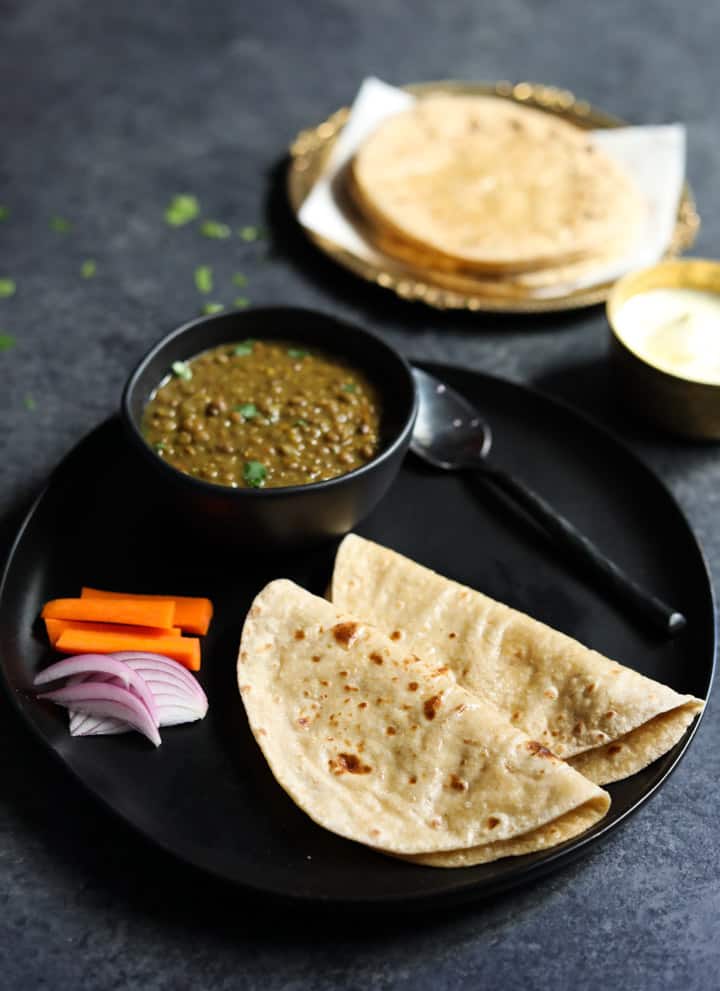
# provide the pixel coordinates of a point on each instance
(605, 719)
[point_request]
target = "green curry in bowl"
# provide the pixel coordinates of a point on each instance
(263, 414)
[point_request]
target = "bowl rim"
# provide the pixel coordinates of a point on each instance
(226, 491)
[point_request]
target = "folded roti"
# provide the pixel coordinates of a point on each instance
(605, 719)
(383, 748)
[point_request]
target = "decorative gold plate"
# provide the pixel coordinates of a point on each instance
(309, 153)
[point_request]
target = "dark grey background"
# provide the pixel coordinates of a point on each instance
(108, 108)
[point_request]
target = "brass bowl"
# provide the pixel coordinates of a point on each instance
(443, 290)
(681, 405)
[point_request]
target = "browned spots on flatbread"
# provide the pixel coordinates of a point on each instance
(492, 822)
(362, 705)
(343, 674)
(348, 762)
(245, 688)
(589, 689)
(345, 633)
(413, 686)
(516, 715)
(299, 634)
(395, 635)
(316, 658)
(615, 748)
(243, 656)
(431, 706)
(440, 671)
(261, 731)
(435, 822)
(578, 727)
(374, 832)
(391, 731)
(609, 715)
(303, 721)
(539, 750)
(456, 783)
(351, 688)
(412, 780)
(452, 635)
(376, 658)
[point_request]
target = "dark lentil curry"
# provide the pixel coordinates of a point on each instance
(263, 413)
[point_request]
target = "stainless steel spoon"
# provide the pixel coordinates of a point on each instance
(451, 434)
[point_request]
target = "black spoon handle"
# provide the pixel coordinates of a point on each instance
(663, 617)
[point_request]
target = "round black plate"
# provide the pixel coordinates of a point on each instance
(206, 794)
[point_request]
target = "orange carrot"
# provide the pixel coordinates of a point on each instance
(184, 650)
(160, 613)
(55, 627)
(191, 614)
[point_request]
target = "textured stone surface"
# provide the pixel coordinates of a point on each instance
(108, 109)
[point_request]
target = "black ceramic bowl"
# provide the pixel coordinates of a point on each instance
(276, 518)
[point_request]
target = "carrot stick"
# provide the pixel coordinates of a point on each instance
(55, 627)
(192, 614)
(184, 650)
(160, 613)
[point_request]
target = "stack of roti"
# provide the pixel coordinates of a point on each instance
(427, 721)
(483, 187)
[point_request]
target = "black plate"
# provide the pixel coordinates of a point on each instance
(206, 794)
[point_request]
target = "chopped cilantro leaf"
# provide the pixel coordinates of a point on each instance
(203, 278)
(88, 268)
(239, 279)
(213, 228)
(254, 474)
(297, 353)
(249, 233)
(248, 410)
(241, 302)
(181, 370)
(300, 423)
(159, 447)
(29, 402)
(210, 308)
(244, 348)
(4, 212)
(182, 209)
(7, 288)
(7, 341)
(349, 387)
(60, 225)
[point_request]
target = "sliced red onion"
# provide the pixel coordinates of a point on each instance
(82, 724)
(103, 699)
(105, 665)
(136, 659)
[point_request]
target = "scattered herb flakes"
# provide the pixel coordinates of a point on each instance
(60, 225)
(300, 423)
(254, 474)
(203, 278)
(349, 387)
(210, 308)
(181, 370)
(182, 209)
(7, 288)
(239, 280)
(241, 302)
(7, 342)
(4, 212)
(249, 233)
(29, 402)
(159, 447)
(244, 348)
(213, 228)
(88, 268)
(297, 353)
(247, 410)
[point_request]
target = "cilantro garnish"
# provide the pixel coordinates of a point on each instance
(60, 225)
(241, 302)
(349, 387)
(203, 278)
(210, 308)
(88, 268)
(249, 233)
(244, 348)
(214, 229)
(239, 279)
(7, 341)
(4, 212)
(248, 410)
(29, 403)
(181, 370)
(297, 353)
(182, 209)
(7, 288)
(254, 474)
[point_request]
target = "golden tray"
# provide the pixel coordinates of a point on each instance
(308, 155)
